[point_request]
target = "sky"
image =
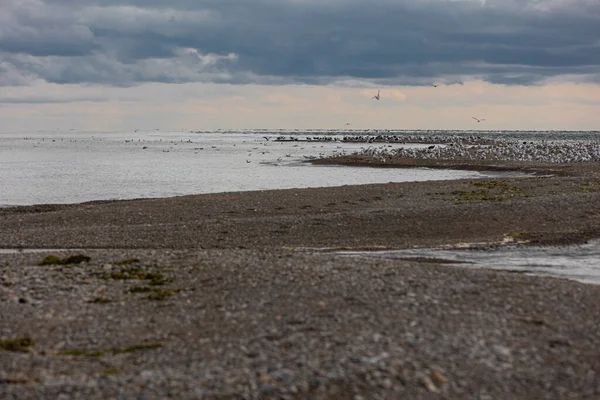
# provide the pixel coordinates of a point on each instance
(299, 64)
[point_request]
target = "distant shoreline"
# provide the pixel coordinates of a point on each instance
(534, 168)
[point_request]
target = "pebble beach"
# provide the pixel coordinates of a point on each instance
(240, 295)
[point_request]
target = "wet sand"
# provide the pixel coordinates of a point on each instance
(234, 295)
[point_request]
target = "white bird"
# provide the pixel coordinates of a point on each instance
(478, 119)
(376, 97)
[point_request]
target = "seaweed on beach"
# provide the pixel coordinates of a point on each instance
(489, 191)
(101, 300)
(128, 261)
(74, 259)
(138, 273)
(161, 294)
(589, 187)
(154, 293)
(21, 345)
(113, 351)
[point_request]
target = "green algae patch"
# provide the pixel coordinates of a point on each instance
(110, 371)
(493, 191)
(161, 294)
(475, 195)
(489, 184)
(590, 187)
(541, 236)
(133, 272)
(51, 260)
(138, 347)
(113, 351)
(18, 345)
(128, 261)
(101, 300)
(74, 259)
(154, 293)
(80, 353)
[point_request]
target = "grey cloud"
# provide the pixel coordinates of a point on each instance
(408, 42)
(36, 29)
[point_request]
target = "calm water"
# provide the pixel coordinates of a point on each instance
(72, 167)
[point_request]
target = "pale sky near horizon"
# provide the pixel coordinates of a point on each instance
(299, 64)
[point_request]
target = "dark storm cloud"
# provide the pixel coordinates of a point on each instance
(410, 42)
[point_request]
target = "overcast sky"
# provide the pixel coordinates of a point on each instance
(205, 64)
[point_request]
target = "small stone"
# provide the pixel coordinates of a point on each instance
(438, 378)
(16, 379)
(147, 374)
(501, 350)
(5, 280)
(387, 383)
(429, 385)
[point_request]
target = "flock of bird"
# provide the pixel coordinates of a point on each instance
(499, 149)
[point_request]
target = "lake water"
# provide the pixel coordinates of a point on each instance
(73, 167)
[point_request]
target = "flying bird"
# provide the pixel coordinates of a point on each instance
(434, 85)
(376, 97)
(478, 119)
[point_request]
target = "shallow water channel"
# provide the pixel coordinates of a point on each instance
(580, 263)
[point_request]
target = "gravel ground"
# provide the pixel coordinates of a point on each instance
(232, 296)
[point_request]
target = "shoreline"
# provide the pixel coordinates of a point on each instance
(220, 296)
(555, 186)
(535, 168)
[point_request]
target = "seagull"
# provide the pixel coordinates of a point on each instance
(347, 123)
(478, 119)
(376, 97)
(434, 85)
